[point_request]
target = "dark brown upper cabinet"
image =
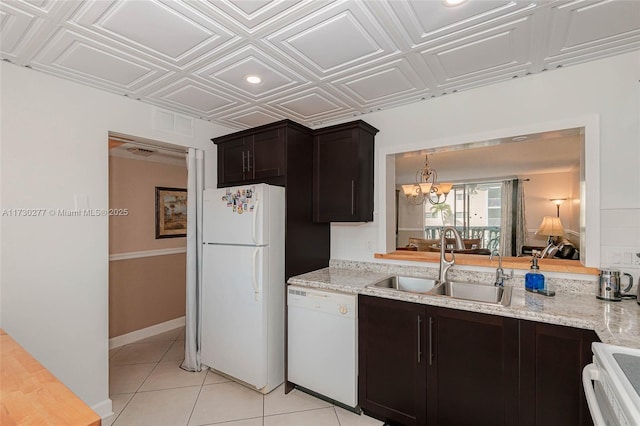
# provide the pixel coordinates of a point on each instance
(257, 155)
(343, 172)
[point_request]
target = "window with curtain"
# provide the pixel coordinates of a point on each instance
(475, 209)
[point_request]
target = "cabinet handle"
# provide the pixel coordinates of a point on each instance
(353, 203)
(243, 166)
(419, 339)
(248, 161)
(430, 340)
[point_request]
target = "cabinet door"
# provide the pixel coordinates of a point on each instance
(336, 182)
(233, 158)
(552, 359)
(267, 157)
(392, 363)
(472, 375)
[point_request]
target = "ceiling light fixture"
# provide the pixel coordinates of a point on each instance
(427, 187)
(452, 3)
(253, 79)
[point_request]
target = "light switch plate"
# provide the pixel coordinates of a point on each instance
(621, 257)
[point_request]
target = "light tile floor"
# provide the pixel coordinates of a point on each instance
(148, 388)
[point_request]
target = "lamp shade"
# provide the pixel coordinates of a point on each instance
(409, 190)
(444, 188)
(425, 187)
(550, 226)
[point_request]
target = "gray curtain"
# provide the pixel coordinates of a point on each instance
(513, 226)
(506, 219)
(521, 220)
(195, 186)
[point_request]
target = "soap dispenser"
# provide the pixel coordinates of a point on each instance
(534, 280)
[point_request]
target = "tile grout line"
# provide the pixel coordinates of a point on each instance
(145, 379)
(203, 383)
(226, 422)
(156, 366)
(337, 417)
(123, 408)
(301, 411)
(134, 393)
(196, 400)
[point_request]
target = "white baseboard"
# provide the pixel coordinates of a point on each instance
(134, 336)
(104, 409)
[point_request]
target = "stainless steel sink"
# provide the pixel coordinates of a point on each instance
(409, 284)
(476, 292)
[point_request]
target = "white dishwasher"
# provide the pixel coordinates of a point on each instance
(323, 343)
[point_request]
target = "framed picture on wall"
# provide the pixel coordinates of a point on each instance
(171, 212)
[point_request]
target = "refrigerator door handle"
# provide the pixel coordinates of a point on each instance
(253, 222)
(256, 290)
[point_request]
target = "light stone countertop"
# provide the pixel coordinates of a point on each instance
(616, 323)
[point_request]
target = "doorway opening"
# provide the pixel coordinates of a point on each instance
(147, 262)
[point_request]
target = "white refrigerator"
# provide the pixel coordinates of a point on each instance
(243, 284)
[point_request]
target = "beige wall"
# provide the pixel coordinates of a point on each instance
(132, 186)
(539, 190)
(146, 290)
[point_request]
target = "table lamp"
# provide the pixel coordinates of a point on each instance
(551, 227)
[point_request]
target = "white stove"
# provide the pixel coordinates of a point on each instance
(612, 385)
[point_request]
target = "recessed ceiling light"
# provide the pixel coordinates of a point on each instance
(253, 79)
(452, 3)
(519, 138)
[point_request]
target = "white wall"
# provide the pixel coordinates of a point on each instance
(54, 276)
(606, 89)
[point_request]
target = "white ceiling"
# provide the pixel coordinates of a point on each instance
(145, 152)
(548, 152)
(320, 61)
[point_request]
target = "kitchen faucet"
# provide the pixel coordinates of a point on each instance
(444, 263)
(500, 275)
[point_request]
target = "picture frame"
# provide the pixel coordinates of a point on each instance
(171, 212)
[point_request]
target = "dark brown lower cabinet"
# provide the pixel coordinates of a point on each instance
(425, 365)
(392, 364)
(473, 376)
(551, 362)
